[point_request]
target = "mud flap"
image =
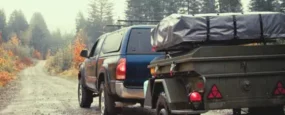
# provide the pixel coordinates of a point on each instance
(148, 94)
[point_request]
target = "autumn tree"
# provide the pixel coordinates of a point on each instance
(78, 47)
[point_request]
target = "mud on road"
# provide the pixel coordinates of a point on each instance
(36, 93)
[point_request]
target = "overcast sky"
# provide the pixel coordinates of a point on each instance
(60, 13)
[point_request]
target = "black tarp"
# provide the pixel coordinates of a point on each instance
(177, 31)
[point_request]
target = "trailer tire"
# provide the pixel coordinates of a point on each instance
(162, 106)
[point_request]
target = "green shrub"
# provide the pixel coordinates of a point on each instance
(61, 61)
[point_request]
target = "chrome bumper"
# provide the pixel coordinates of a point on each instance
(129, 93)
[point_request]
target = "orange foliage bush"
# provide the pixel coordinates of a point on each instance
(37, 54)
(15, 40)
(78, 47)
(5, 77)
(11, 60)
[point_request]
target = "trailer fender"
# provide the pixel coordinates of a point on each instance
(174, 90)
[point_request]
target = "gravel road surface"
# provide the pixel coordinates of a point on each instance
(36, 93)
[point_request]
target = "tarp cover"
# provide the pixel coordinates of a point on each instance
(185, 31)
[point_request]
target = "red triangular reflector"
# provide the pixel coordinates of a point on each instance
(280, 89)
(210, 96)
(276, 92)
(214, 88)
(279, 85)
(219, 95)
(283, 91)
(215, 93)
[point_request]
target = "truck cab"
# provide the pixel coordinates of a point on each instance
(116, 68)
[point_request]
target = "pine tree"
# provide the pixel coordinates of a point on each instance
(100, 15)
(152, 9)
(267, 5)
(190, 6)
(81, 22)
(137, 10)
(209, 6)
(230, 6)
(17, 23)
(39, 34)
(282, 6)
(172, 6)
(2, 25)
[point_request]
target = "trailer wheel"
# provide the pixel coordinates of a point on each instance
(266, 111)
(162, 106)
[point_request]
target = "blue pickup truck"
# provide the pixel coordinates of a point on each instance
(115, 68)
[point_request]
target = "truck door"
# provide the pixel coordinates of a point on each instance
(91, 70)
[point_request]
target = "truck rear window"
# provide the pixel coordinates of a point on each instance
(139, 41)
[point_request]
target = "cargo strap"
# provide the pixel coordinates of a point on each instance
(235, 27)
(261, 30)
(208, 28)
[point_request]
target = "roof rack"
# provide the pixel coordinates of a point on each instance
(140, 21)
(119, 26)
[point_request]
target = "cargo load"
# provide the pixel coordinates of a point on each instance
(184, 32)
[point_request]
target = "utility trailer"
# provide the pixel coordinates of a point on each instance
(219, 72)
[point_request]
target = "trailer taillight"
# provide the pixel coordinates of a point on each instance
(121, 69)
(195, 97)
(214, 93)
(279, 89)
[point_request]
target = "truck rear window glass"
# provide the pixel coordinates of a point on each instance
(112, 42)
(139, 41)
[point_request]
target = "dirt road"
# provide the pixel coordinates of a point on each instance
(41, 94)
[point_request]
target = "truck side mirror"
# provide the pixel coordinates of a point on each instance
(84, 53)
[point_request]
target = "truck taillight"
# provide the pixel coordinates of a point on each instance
(214, 93)
(121, 69)
(279, 90)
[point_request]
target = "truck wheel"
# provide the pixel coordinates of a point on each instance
(161, 106)
(266, 111)
(106, 102)
(85, 96)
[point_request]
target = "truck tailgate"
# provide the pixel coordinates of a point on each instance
(137, 71)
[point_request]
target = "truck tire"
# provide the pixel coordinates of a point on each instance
(266, 111)
(162, 106)
(85, 96)
(106, 102)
